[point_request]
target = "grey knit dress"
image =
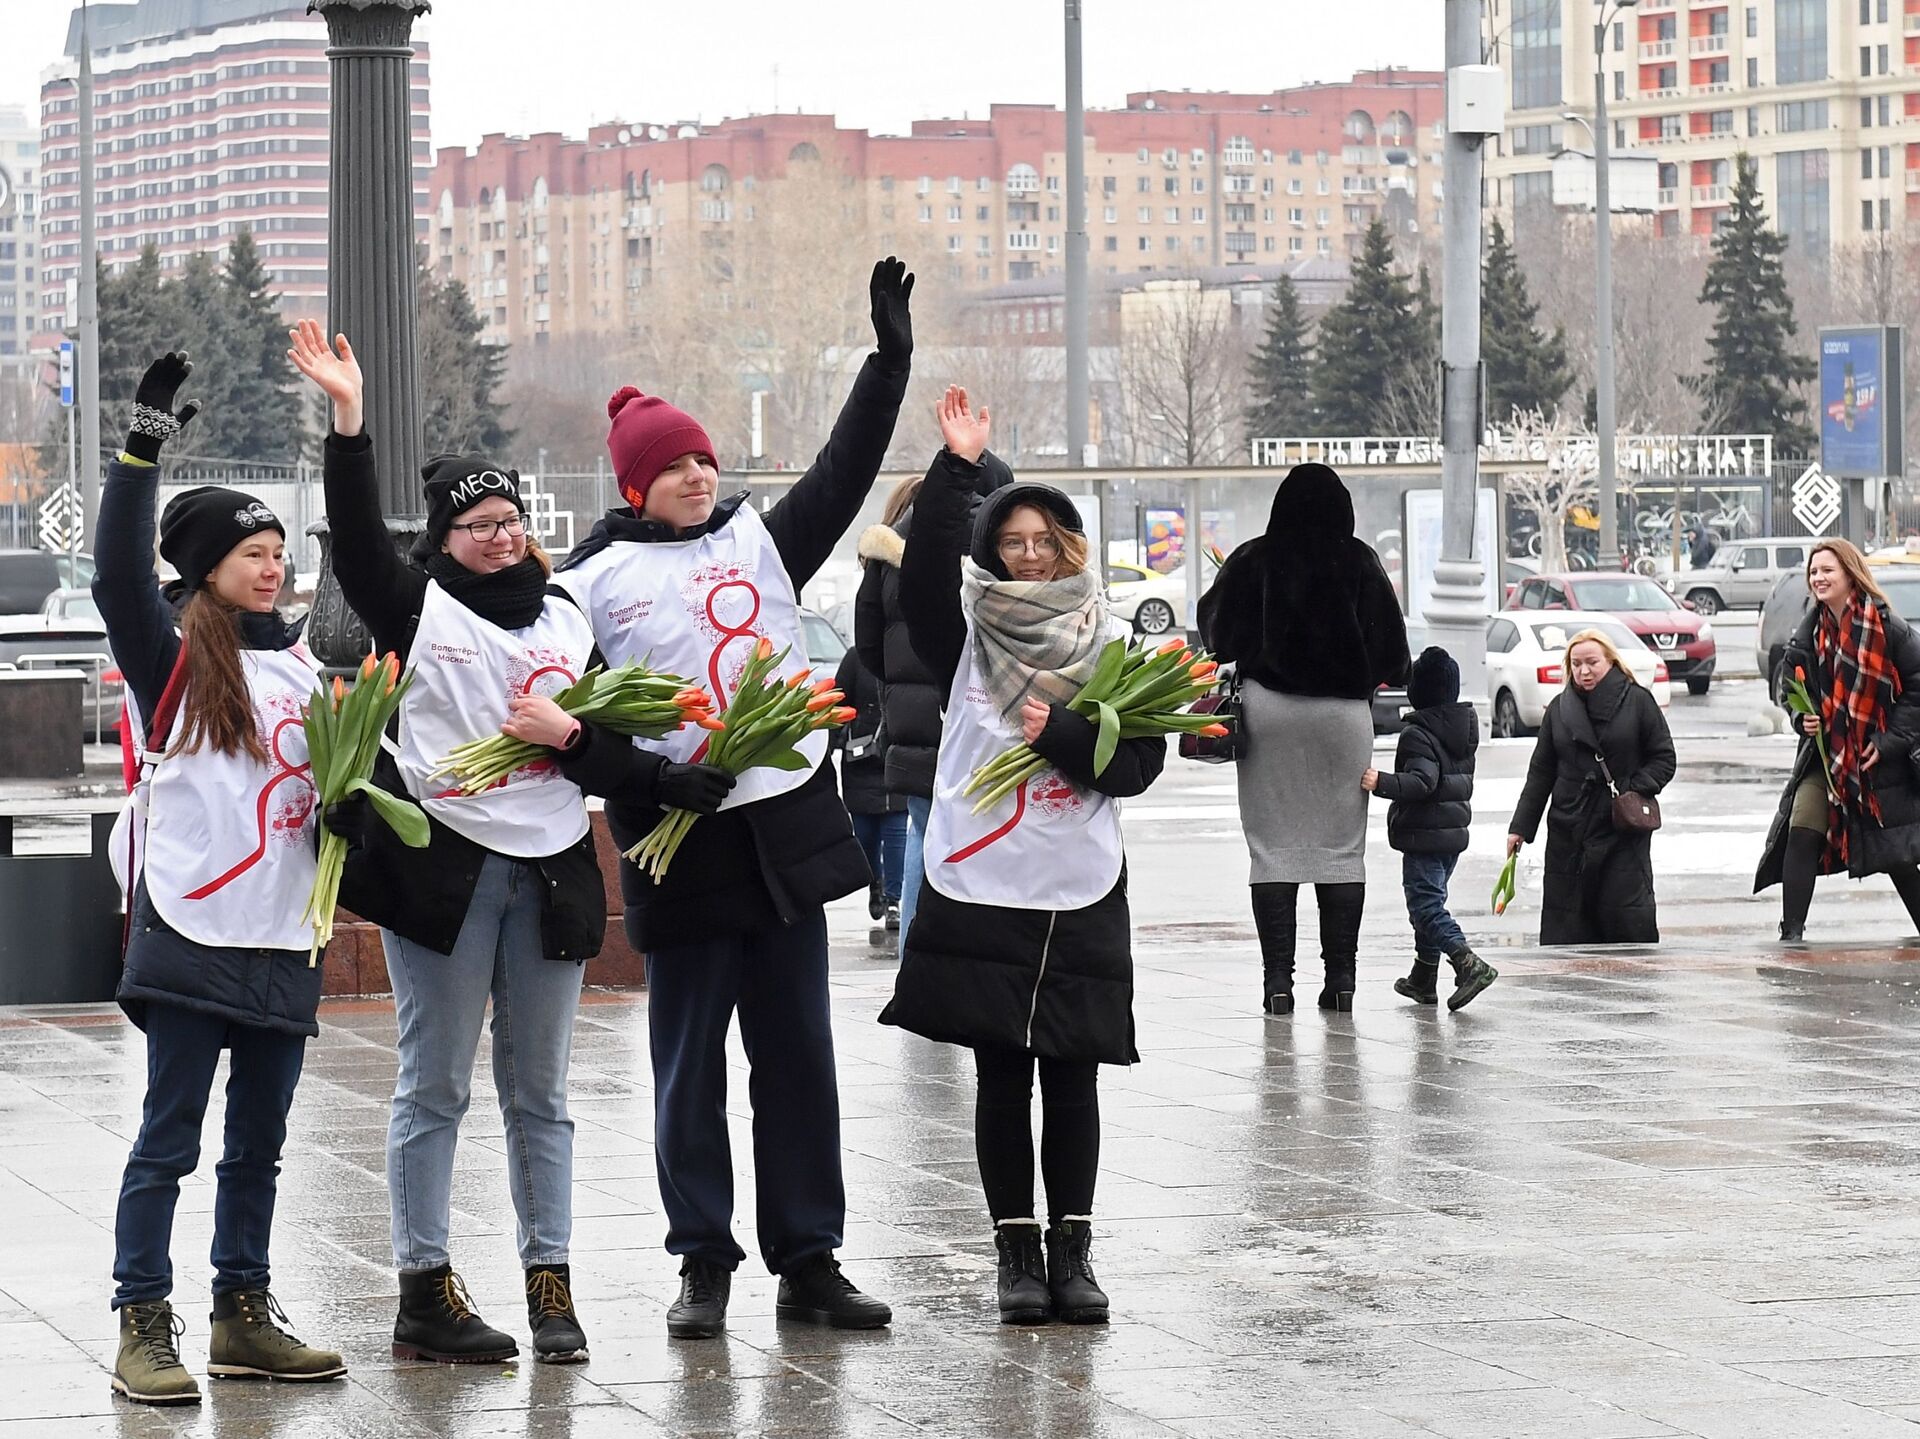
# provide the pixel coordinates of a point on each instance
(1301, 805)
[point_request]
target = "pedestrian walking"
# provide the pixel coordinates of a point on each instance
(1603, 736)
(1021, 947)
(911, 698)
(1431, 789)
(738, 922)
(217, 957)
(1857, 807)
(1308, 617)
(879, 816)
(505, 904)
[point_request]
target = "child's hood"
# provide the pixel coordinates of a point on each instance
(1453, 726)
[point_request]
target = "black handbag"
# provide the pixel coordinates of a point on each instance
(1632, 813)
(1224, 706)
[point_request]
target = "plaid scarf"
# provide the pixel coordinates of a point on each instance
(1033, 639)
(1860, 695)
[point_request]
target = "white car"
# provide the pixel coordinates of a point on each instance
(1526, 653)
(1151, 602)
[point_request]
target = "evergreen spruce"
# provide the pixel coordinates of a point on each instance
(1753, 366)
(459, 376)
(262, 419)
(1282, 378)
(1526, 369)
(1371, 347)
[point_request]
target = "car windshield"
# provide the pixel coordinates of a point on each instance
(1554, 634)
(1629, 592)
(1903, 592)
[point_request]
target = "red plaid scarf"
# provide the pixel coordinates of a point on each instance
(1861, 691)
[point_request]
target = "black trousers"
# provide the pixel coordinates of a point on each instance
(1069, 1136)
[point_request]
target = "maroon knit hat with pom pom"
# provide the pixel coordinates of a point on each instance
(649, 434)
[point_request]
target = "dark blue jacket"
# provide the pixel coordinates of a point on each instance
(1431, 785)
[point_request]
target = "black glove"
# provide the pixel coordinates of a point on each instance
(696, 787)
(348, 819)
(891, 288)
(154, 420)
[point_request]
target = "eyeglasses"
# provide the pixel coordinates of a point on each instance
(1044, 547)
(484, 530)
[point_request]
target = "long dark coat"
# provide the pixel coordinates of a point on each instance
(1598, 887)
(1873, 848)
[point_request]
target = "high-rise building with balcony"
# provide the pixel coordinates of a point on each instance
(19, 242)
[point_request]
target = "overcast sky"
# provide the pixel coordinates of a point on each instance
(878, 64)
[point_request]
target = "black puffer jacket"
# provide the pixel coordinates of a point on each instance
(1598, 887)
(1894, 840)
(913, 701)
(863, 743)
(1055, 983)
(1432, 781)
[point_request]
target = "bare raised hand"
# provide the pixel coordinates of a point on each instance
(335, 371)
(965, 432)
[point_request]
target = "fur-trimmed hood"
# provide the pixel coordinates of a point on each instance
(883, 543)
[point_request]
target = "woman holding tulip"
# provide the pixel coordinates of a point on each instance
(217, 955)
(505, 902)
(1020, 948)
(1852, 802)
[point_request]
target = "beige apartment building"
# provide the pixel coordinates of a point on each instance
(558, 237)
(1823, 94)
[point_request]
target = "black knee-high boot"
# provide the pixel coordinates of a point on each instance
(1341, 906)
(1273, 920)
(1906, 880)
(1798, 870)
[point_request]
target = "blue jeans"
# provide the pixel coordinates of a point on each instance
(884, 839)
(440, 1001)
(919, 811)
(183, 1049)
(1424, 878)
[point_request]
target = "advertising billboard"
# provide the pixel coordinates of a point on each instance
(1860, 402)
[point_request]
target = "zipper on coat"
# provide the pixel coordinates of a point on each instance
(1046, 948)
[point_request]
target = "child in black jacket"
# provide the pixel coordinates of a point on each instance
(1431, 787)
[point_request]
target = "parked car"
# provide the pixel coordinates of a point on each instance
(27, 577)
(1526, 664)
(1151, 602)
(41, 642)
(1667, 626)
(75, 605)
(1514, 569)
(825, 644)
(1780, 616)
(1741, 574)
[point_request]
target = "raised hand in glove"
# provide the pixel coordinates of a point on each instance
(154, 419)
(891, 288)
(696, 787)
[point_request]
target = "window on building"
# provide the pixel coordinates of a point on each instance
(1883, 110)
(1866, 112)
(1799, 41)
(1110, 243)
(1866, 214)
(1619, 36)
(1866, 164)
(1886, 162)
(1619, 84)
(1798, 115)
(1753, 23)
(1880, 59)
(1753, 73)
(1866, 59)
(1801, 196)
(1886, 213)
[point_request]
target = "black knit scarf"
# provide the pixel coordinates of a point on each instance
(511, 598)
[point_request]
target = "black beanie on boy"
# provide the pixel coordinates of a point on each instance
(200, 526)
(1435, 681)
(459, 482)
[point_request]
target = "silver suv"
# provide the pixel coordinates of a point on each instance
(1741, 574)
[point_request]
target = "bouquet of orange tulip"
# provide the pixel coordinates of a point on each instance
(344, 724)
(762, 725)
(631, 700)
(1135, 693)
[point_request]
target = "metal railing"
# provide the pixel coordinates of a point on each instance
(93, 668)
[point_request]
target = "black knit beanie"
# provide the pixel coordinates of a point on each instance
(455, 483)
(200, 526)
(1436, 679)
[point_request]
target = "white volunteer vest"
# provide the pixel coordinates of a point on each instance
(697, 608)
(229, 849)
(465, 669)
(1049, 845)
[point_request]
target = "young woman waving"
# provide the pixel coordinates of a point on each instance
(1020, 948)
(217, 957)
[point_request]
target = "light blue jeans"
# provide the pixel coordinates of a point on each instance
(440, 1001)
(919, 811)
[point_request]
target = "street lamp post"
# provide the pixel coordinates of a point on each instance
(1604, 416)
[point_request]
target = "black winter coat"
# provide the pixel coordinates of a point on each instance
(1598, 887)
(1432, 781)
(777, 860)
(1873, 848)
(266, 988)
(1054, 983)
(863, 743)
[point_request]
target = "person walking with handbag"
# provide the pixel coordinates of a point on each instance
(1308, 618)
(1857, 807)
(1604, 752)
(1021, 948)
(217, 955)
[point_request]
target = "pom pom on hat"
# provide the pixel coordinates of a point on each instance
(620, 398)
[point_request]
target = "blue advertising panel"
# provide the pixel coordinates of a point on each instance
(1860, 401)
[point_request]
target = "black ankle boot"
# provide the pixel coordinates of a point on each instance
(814, 1291)
(437, 1322)
(701, 1310)
(557, 1335)
(1024, 1298)
(876, 901)
(1421, 984)
(1471, 974)
(1077, 1295)
(1273, 920)
(1792, 933)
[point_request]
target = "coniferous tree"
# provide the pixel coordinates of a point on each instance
(1527, 370)
(459, 376)
(138, 321)
(263, 405)
(1282, 370)
(1753, 365)
(1372, 347)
